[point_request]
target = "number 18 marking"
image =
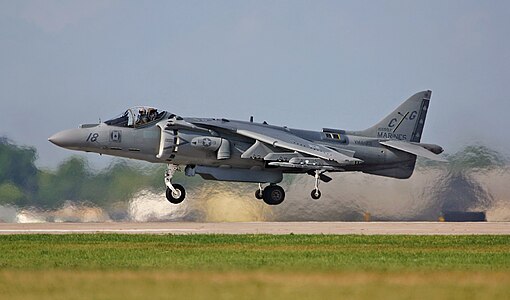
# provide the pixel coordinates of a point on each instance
(92, 137)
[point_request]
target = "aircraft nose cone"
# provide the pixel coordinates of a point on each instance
(55, 139)
(65, 139)
(59, 139)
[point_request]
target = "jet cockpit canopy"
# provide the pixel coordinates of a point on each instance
(137, 116)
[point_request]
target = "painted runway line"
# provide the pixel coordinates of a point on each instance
(56, 231)
(368, 228)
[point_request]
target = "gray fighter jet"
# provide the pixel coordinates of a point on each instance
(246, 151)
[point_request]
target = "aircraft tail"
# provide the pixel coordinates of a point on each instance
(405, 123)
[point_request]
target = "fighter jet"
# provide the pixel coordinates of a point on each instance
(247, 151)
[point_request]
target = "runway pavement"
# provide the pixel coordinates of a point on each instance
(411, 228)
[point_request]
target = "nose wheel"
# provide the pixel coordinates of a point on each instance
(176, 196)
(175, 193)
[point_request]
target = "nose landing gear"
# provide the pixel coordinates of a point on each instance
(175, 193)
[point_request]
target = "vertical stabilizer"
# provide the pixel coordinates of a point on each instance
(405, 123)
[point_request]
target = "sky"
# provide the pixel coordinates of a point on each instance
(303, 64)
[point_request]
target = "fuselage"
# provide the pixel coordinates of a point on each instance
(145, 142)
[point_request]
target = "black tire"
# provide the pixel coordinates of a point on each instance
(316, 194)
(273, 195)
(176, 199)
(259, 194)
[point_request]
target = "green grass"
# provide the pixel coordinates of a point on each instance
(109, 266)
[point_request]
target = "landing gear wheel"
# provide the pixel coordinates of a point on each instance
(177, 197)
(316, 194)
(259, 194)
(273, 195)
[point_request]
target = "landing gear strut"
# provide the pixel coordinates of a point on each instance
(272, 194)
(316, 194)
(175, 193)
(259, 194)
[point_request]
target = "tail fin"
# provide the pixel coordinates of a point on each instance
(405, 123)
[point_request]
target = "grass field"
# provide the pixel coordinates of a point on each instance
(109, 266)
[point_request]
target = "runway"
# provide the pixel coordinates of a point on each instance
(366, 228)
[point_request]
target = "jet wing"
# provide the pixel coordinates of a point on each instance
(289, 141)
(413, 149)
(281, 139)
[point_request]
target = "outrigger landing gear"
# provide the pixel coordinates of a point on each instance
(272, 194)
(175, 193)
(316, 194)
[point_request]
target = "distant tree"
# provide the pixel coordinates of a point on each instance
(18, 173)
(64, 184)
(10, 194)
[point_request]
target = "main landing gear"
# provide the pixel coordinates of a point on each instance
(272, 194)
(175, 193)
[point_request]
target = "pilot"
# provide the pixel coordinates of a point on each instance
(153, 113)
(142, 116)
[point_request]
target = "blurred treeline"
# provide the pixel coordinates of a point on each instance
(23, 184)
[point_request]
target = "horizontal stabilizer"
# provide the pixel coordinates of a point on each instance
(413, 149)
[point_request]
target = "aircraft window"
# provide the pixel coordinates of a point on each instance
(136, 117)
(122, 120)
